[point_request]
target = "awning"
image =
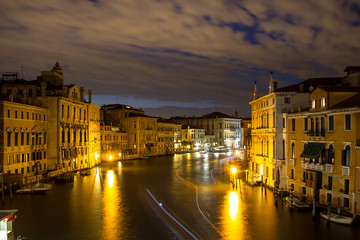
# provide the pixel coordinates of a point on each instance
(312, 150)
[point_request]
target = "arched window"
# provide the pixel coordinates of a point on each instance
(331, 154)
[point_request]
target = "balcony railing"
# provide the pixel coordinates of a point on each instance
(313, 166)
(329, 168)
(345, 170)
(316, 133)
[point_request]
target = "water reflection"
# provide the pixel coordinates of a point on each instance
(234, 216)
(233, 205)
(111, 203)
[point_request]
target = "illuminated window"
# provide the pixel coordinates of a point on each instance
(323, 102)
(313, 103)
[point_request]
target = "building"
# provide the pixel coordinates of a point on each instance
(114, 143)
(166, 136)
(323, 145)
(226, 130)
(94, 134)
(141, 129)
(268, 133)
(192, 138)
(23, 141)
(246, 138)
(67, 117)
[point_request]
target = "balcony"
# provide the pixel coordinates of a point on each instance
(329, 168)
(316, 133)
(292, 162)
(345, 170)
(313, 166)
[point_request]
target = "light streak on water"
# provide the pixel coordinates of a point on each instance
(160, 205)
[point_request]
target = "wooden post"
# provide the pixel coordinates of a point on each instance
(354, 215)
(328, 213)
(313, 211)
(338, 208)
(11, 194)
(2, 186)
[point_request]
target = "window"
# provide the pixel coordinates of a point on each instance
(346, 156)
(331, 154)
(346, 202)
(313, 103)
(27, 138)
(293, 150)
(292, 174)
(287, 100)
(293, 125)
(331, 123)
(347, 122)
(22, 138)
(323, 102)
(9, 113)
(16, 139)
(22, 114)
(27, 116)
(9, 139)
(346, 186)
(16, 115)
(330, 182)
(306, 124)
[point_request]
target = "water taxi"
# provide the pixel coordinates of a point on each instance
(6, 224)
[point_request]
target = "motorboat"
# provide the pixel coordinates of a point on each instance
(35, 188)
(337, 218)
(297, 203)
(6, 222)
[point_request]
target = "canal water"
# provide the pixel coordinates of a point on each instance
(185, 196)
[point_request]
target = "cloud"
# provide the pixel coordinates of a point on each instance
(180, 51)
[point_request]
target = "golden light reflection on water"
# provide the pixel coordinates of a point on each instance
(233, 205)
(234, 213)
(111, 202)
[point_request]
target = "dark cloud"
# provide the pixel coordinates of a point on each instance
(185, 52)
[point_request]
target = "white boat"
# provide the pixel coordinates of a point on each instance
(35, 188)
(298, 204)
(337, 218)
(6, 223)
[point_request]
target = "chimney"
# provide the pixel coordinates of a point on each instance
(82, 90)
(43, 89)
(301, 87)
(89, 94)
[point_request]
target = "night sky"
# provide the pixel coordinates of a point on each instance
(189, 54)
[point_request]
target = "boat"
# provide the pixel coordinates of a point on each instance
(6, 223)
(297, 204)
(337, 218)
(35, 188)
(85, 172)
